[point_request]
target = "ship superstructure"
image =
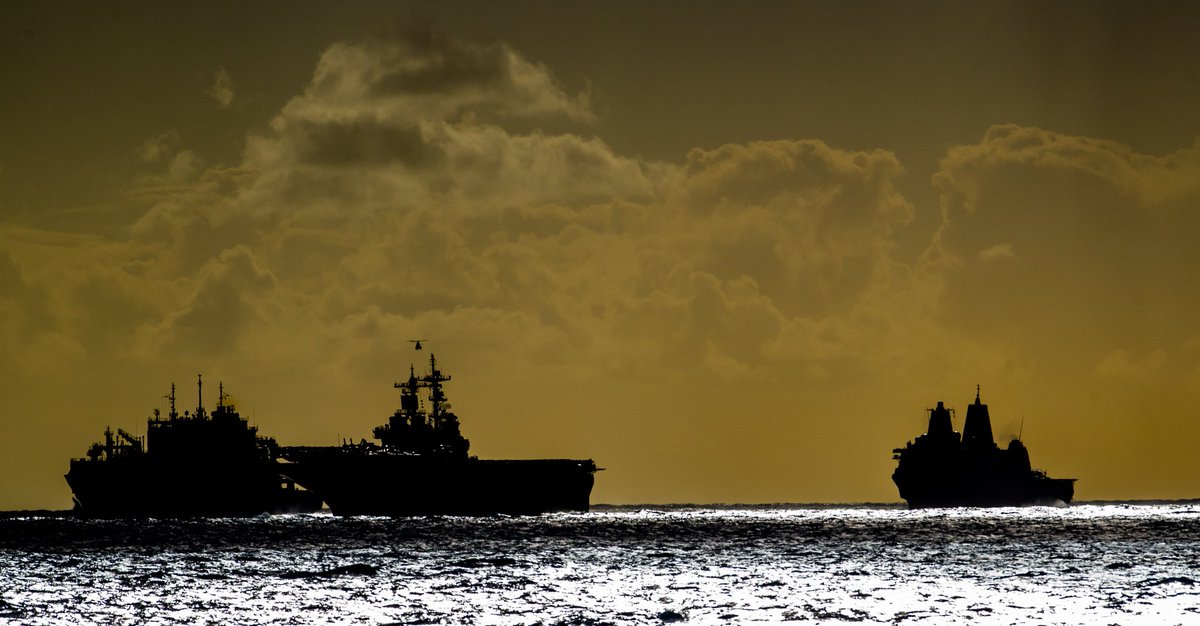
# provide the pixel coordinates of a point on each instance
(420, 465)
(942, 469)
(195, 463)
(412, 430)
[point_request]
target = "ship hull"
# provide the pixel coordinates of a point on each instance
(942, 468)
(984, 491)
(400, 485)
(144, 487)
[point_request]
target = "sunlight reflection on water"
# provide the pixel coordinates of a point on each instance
(1073, 565)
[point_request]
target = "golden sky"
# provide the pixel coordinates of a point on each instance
(730, 252)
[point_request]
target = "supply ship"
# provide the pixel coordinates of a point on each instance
(939, 469)
(195, 464)
(420, 466)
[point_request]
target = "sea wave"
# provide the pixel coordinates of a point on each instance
(1085, 564)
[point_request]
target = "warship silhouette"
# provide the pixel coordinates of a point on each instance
(940, 470)
(420, 467)
(194, 464)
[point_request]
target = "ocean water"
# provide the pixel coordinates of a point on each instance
(1116, 564)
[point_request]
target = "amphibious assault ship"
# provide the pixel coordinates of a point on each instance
(420, 466)
(939, 469)
(195, 464)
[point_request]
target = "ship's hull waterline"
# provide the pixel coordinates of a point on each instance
(163, 488)
(985, 492)
(398, 485)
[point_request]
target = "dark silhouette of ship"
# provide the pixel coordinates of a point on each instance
(940, 470)
(420, 467)
(195, 464)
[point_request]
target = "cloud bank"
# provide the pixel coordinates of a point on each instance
(411, 191)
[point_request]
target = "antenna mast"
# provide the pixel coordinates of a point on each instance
(173, 414)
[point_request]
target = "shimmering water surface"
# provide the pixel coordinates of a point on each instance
(1080, 565)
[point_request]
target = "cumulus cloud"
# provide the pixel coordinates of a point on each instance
(57, 301)
(1061, 190)
(397, 183)
(222, 88)
(158, 148)
(1146, 181)
(810, 223)
(1100, 229)
(165, 163)
(1122, 365)
(425, 74)
(24, 310)
(231, 294)
(996, 252)
(417, 120)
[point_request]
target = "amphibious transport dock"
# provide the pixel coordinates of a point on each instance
(940, 469)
